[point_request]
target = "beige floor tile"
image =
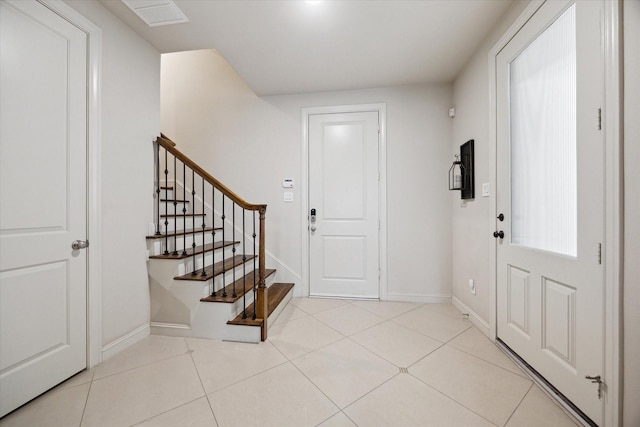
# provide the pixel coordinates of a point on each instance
(537, 410)
(136, 395)
(395, 343)
(301, 336)
(345, 371)
(60, 407)
(432, 323)
(83, 377)
(221, 363)
(482, 387)
(316, 305)
(405, 401)
(193, 414)
(148, 350)
(338, 420)
(279, 397)
(290, 312)
(348, 319)
(386, 309)
(474, 342)
(161, 381)
(447, 309)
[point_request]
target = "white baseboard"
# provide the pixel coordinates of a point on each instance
(125, 341)
(478, 321)
(430, 299)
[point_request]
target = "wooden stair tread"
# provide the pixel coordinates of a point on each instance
(240, 290)
(183, 232)
(275, 295)
(198, 250)
(215, 269)
(181, 215)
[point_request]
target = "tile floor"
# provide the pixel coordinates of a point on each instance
(328, 363)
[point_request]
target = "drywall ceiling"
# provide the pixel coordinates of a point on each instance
(298, 46)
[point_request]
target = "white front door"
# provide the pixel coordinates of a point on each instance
(43, 209)
(550, 178)
(343, 195)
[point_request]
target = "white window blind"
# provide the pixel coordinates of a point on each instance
(543, 140)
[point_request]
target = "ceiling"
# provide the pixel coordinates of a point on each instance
(298, 46)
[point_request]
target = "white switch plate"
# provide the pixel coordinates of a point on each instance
(485, 189)
(288, 196)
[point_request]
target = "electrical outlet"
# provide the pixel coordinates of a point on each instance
(472, 286)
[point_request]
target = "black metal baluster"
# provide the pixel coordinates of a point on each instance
(213, 234)
(193, 220)
(166, 204)
(175, 209)
(184, 209)
(233, 251)
(244, 271)
(255, 287)
(158, 189)
(224, 261)
(204, 272)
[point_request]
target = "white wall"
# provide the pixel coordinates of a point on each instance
(631, 212)
(130, 122)
(472, 236)
(252, 143)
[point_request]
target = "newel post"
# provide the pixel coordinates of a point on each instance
(262, 308)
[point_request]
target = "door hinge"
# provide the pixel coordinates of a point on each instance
(378, 225)
(599, 253)
(599, 118)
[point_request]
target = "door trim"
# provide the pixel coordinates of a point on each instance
(613, 244)
(94, 205)
(381, 108)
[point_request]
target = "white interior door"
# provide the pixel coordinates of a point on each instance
(43, 147)
(550, 286)
(343, 192)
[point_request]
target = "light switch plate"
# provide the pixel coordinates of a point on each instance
(485, 189)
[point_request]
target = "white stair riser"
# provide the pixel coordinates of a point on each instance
(157, 246)
(181, 224)
(168, 207)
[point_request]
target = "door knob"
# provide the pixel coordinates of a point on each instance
(499, 234)
(79, 244)
(500, 217)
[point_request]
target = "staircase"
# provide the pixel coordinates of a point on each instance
(206, 265)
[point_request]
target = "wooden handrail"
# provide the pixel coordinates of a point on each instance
(169, 145)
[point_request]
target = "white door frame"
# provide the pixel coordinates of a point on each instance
(94, 262)
(613, 244)
(382, 187)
